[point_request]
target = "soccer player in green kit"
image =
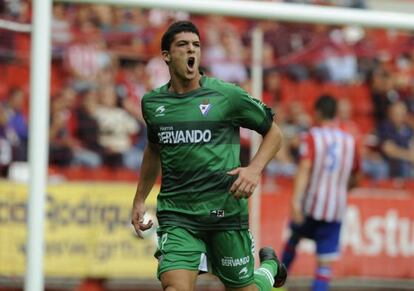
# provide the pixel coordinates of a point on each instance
(193, 138)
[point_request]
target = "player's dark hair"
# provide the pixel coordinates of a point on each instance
(176, 28)
(326, 106)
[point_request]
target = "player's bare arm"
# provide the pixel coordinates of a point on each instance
(301, 180)
(248, 177)
(149, 172)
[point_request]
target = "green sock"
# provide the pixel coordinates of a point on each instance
(264, 275)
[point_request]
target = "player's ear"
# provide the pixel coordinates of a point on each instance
(166, 56)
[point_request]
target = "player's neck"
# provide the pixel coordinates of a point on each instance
(327, 122)
(180, 86)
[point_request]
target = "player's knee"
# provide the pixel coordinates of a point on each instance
(179, 280)
(179, 283)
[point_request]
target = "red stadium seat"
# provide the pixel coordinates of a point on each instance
(18, 75)
(361, 99)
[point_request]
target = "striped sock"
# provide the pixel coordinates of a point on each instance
(322, 278)
(264, 275)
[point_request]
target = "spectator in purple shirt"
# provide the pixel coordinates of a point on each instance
(18, 122)
(8, 140)
(397, 141)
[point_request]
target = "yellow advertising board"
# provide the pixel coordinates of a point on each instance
(88, 231)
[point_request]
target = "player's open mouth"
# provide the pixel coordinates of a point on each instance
(190, 63)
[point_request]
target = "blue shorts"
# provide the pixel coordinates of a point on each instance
(325, 234)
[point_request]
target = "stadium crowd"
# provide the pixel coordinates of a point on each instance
(104, 58)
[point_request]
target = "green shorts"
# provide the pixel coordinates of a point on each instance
(226, 254)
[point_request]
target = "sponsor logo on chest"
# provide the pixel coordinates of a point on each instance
(168, 135)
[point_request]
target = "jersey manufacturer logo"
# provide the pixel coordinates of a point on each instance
(160, 111)
(243, 271)
(217, 212)
(205, 107)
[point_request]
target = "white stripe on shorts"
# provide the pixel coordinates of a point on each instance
(203, 263)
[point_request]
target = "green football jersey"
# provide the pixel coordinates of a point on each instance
(199, 141)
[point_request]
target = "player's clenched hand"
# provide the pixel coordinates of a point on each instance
(246, 182)
(137, 218)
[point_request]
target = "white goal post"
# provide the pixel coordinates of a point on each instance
(40, 77)
(274, 10)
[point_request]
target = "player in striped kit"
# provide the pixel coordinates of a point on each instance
(328, 167)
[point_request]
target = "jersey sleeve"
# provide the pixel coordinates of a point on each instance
(306, 147)
(250, 112)
(151, 134)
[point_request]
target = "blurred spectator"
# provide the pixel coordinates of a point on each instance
(18, 122)
(64, 149)
(397, 141)
(339, 59)
(283, 164)
(81, 14)
(2, 7)
(293, 120)
(8, 138)
(277, 36)
(409, 101)
(116, 127)
(86, 57)
(7, 45)
(87, 130)
(271, 88)
(20, 10)
(286, 40)
(135, 83)
(224, 52)
(103, 15)
(373, 164)
(162, 17)
(129, 20)
(157, 71)
(404, 69)
(133, 157)
(105, 77)
(61, 33)
(344, 116)
(383, 93)
(297, 120)
(60, 140)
